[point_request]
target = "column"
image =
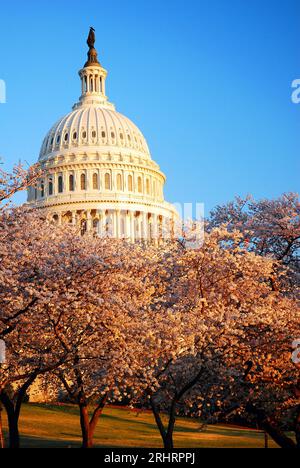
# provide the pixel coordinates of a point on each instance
(144, 226)
(154, 227)
(132, 226)
(73, 218)
(117, 228)
(88, 220)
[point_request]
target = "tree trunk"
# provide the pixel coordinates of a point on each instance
(2, 444)
(168, 442)
(166, 435)
(88, 426)
(87, 441)
(13, 420)
(267, 424)
(13, 425)
(95, 418)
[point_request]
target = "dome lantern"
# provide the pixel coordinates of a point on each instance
(93, 77)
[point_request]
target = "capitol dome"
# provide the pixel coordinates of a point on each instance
(98, 171)
(95, 126)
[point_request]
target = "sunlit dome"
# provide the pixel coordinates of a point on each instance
(98, 169)
(95, 126)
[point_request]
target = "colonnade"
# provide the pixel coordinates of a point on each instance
(120, 224)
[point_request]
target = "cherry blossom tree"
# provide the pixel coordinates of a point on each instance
(102, 330)
(269, 228)
(223, 293)
(19, 179)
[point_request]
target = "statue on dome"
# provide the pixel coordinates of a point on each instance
(91, 38)
(92, 53)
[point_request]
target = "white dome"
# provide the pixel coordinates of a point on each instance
(98, 171)
(95, 126)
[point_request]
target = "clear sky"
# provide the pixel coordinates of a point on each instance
(208, 83)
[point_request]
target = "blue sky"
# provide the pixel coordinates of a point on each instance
(208, 83)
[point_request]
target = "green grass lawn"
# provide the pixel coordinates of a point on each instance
(58, 426)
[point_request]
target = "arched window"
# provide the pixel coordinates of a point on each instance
(50, 187)
(119, 182)
(140, 187)
(42, 190)
(60, 184)
(82, 182)
(148, 187)
(95, 181)
(107, 182)
(130, 184)
(71, 183)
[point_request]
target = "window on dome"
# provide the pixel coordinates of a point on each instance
(71, 183)
(58, 139)
(84, 134)
(52, 140)
(66, 136)
(112, 135)
(121, 136)
(95, 181)
(107, 182)
(140, 188)
(75, 136)
(60, 184)
(119, 182)
(129, 137)
(94, 134)
(50, 187)
(103, 134)
(83, 182)
(148, 187)
(130, 183)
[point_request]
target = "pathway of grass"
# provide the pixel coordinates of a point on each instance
(58, 426)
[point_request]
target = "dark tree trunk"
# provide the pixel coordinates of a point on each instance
(166, 435)
(14, 436)
(13, 421)
(269, 425)
(13, 409)
(168, 442)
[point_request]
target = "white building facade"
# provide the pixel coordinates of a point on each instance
(98, 171)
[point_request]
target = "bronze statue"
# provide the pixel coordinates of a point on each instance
(92, 53)
(91, 38)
